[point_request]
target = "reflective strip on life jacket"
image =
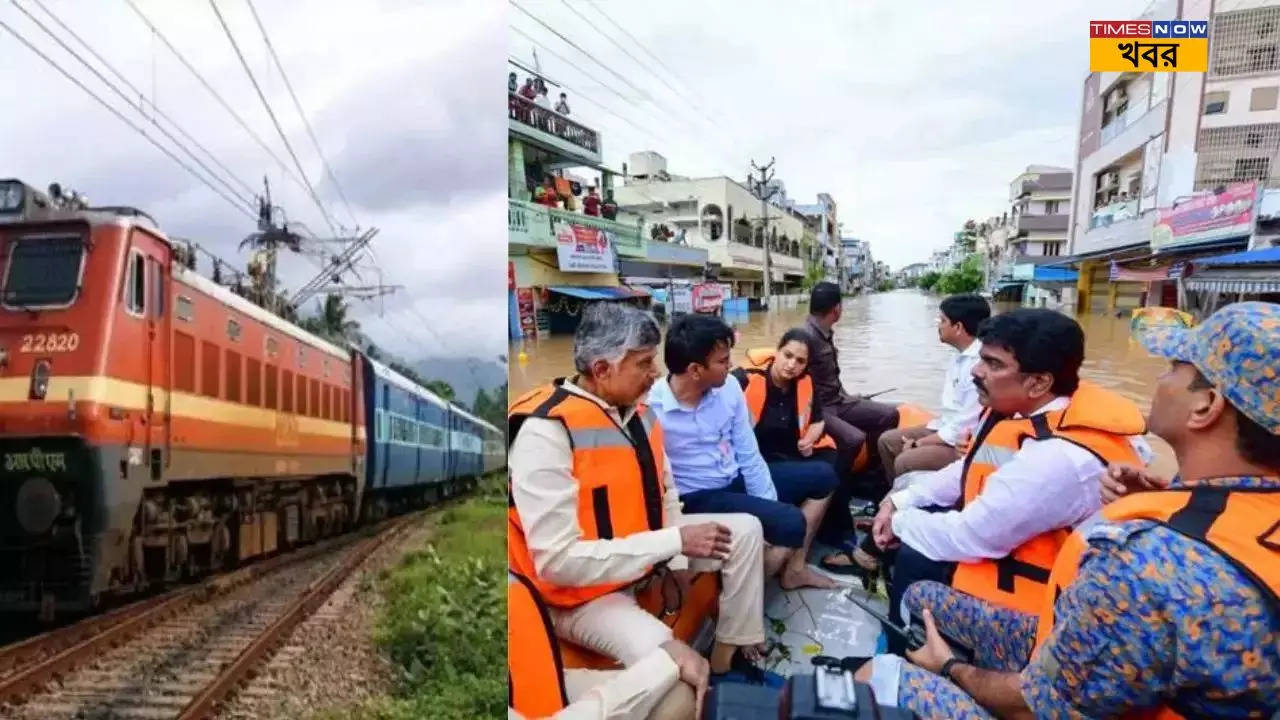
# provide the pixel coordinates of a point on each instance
(620, 490)
(1242, 525)
(1018, 581)
(535, 670)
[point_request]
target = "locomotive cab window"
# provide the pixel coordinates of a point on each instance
(43, 271)
(135, 290)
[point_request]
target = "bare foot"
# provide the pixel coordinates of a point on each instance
(805, 577)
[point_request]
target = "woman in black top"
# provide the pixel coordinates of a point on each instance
(803, 474)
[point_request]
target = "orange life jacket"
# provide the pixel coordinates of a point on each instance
(1097, 420)
(535, 672)
(756, 371)
(1240, 524)
(620, 491)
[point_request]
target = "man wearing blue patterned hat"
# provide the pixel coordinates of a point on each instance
(1166, 603)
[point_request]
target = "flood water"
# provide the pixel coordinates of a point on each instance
(889, 340)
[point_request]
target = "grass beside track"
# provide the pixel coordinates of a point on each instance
(444, 621)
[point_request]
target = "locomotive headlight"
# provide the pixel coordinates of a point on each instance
(40, 379)
(10, 197)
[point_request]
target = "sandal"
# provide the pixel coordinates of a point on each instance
(861, 564)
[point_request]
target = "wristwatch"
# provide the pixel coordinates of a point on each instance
(946, 668)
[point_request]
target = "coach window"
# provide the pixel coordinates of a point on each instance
(157, 283)
(135, 300)
(233, 330)
(273, 347)
(380, 432)
(184, 309)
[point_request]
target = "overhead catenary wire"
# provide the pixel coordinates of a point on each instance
(279, 130)
(120, 76)
(670, 114)
(577, 94)
(248, 201)
(298, 106)
(284, 168)
(683, 95)
(136, 128)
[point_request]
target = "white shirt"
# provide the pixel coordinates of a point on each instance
(1048, 484)
(960, 405)
(541, 101)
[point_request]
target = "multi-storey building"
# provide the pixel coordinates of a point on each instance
(1151, 143)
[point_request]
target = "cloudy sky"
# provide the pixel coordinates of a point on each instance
(396, 91)
(914, 116)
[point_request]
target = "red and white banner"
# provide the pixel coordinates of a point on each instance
(707, 297)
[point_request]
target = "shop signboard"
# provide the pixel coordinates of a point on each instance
(707, 297)
(528, 318)
(1207, 217)
(584, 249)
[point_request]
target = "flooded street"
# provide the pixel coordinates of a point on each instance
(889, 340)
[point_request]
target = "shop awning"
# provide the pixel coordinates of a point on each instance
(1252, 257)
(619, 292)
(1249, 286)
(1006, 284)
(1054, 274)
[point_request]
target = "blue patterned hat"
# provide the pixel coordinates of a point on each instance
(1237, 349)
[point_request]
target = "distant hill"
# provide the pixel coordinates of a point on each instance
(465, 375)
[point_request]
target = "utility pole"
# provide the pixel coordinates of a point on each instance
(766, 174)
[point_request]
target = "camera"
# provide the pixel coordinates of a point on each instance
(829, 692)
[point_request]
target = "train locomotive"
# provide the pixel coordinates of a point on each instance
(155, 425)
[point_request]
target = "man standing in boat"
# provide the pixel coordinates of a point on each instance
(593, 507)
(1166, 603)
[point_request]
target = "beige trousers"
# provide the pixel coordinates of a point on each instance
(614, 625)
(676, 704)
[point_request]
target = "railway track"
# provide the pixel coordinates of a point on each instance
(178, 655)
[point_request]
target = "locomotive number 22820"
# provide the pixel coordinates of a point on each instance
(50, 342)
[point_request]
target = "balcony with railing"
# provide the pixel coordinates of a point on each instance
(551, 129)
(1041, 223)
(533, 225)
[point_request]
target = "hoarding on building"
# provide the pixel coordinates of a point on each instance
(1207, 217)
(584, 249)
(707, 297)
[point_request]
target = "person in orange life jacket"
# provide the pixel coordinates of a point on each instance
(1031, 472)
(593, 507)
(1166, 603)
(539, 686)
(788, 431)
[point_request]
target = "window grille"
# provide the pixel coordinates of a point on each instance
(1237, 154)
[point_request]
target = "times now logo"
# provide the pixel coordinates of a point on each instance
(1148, 29)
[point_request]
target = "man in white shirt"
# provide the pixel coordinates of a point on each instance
(594, 508)
(1030, 475)
(933, 446)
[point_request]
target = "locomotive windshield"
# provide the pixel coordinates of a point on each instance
(43, 271)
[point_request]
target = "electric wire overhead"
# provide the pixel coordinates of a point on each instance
(279, 130)
(298, 106)
(249, 192)
(725, 152)
(136, 105)
(284, 168)
(136, 128)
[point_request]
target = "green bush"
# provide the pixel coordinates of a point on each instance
(929, 279)
(444, 623)
(965, 279)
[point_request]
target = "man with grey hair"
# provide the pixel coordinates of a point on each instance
(594, 509)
